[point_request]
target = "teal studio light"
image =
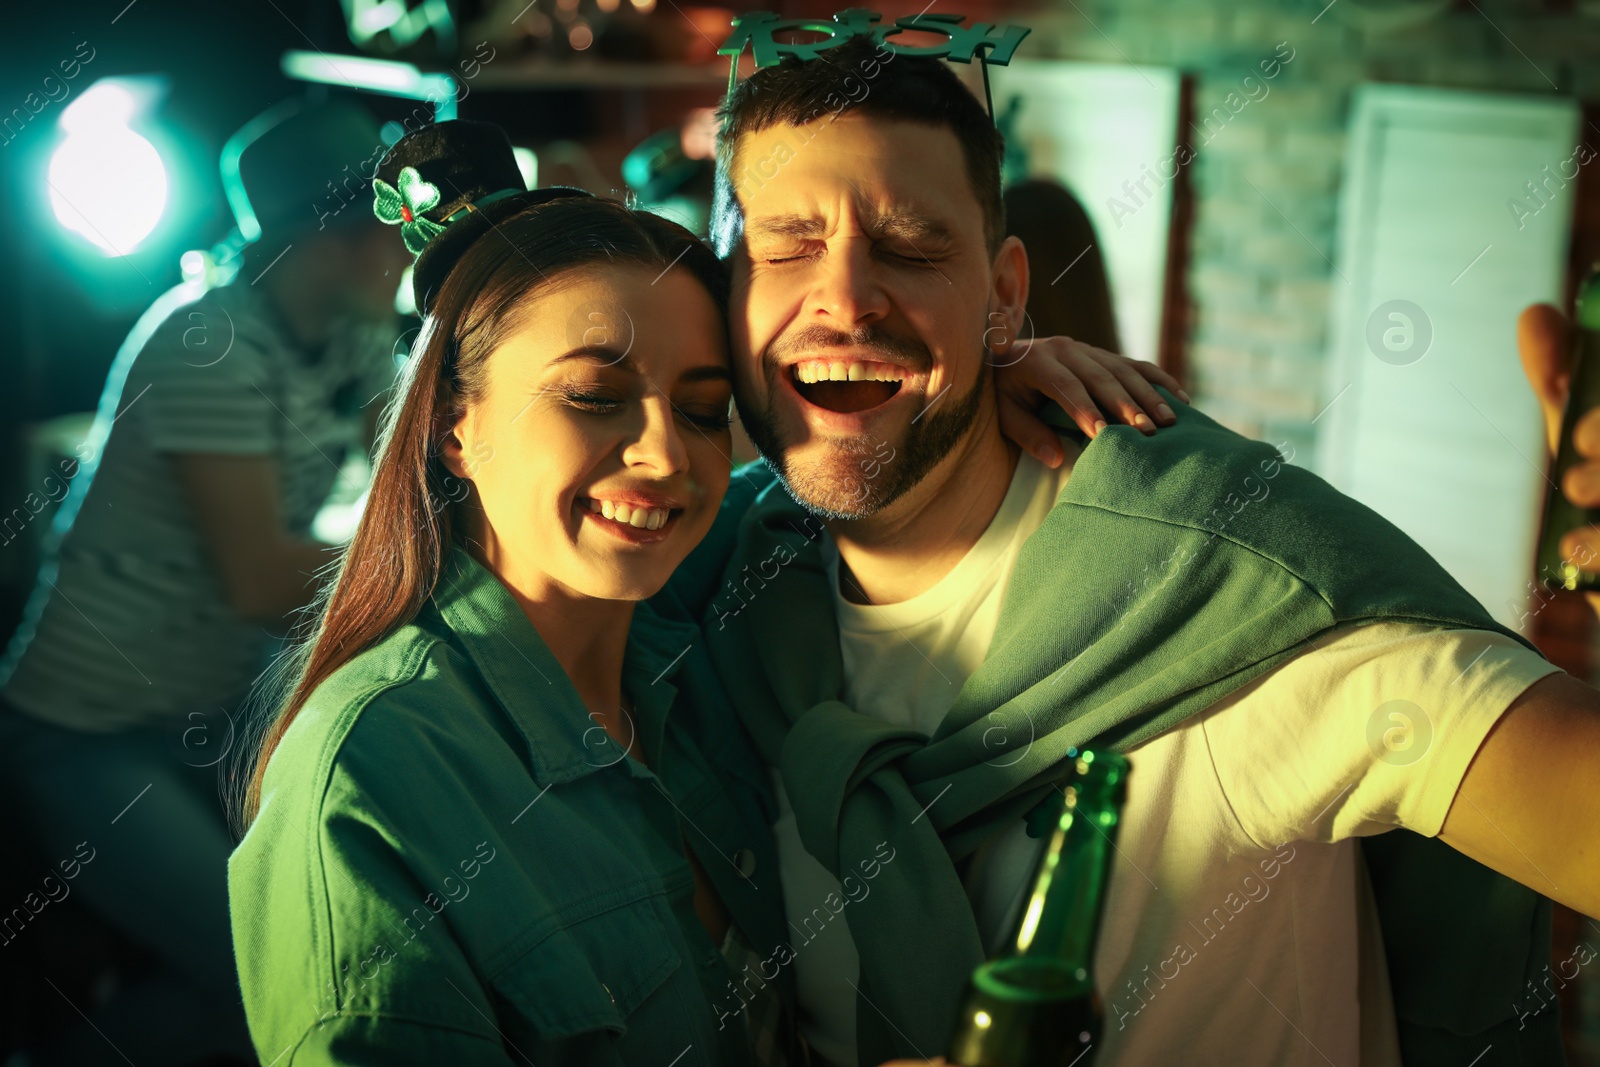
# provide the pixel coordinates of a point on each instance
(107, 181)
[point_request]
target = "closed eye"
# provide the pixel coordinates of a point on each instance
(786, 253)
(709, 420)
(593, 402)
(713, 416)
(911, 254)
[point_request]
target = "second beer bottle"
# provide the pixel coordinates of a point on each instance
(1555, 569)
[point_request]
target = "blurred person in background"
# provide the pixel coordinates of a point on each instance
(182, 551)
(1059, 238)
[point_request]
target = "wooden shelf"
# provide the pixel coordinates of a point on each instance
(542, 74)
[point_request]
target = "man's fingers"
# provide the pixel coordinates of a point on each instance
(1586, 434)
(1582, 547)
(1581, 485)
(1542, 344)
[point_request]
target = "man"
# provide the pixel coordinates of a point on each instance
(182, 550)
(915, 647)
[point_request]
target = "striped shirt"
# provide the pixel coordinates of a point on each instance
(129, 624)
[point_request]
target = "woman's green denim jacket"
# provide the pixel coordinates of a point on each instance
(454, 863)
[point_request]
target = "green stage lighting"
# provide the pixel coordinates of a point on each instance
(107, 181)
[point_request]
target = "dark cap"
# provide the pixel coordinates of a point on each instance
(297, 165)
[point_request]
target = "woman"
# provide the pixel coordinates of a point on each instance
(1060, 237)
(506, 813)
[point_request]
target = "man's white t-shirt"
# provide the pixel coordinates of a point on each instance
(1238, 925)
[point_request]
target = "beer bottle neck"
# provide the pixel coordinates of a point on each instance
(1056, 929)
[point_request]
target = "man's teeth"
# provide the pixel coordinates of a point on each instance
(628, 515)
(821, 370)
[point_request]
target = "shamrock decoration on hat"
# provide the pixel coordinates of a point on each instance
(404, 206)
(447, 184)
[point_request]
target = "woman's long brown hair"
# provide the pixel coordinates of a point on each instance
(390, 567)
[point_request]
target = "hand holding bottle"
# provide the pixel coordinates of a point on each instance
(1547, 360)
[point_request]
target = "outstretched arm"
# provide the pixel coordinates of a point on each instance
(1529, 806)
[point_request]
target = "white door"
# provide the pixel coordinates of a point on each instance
(1429, 420)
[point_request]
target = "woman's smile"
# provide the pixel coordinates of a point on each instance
(634, 518)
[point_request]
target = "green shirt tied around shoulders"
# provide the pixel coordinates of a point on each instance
(454, 864)
(1172, 571)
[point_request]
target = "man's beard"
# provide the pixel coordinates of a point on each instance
(862, 475)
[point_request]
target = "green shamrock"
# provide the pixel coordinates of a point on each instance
(404, 206)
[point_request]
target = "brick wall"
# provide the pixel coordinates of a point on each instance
(1267, 178)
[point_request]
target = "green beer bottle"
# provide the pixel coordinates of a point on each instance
(1561, 516)
(1034, 1005)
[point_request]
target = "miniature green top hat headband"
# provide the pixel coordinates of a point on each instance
(445, 185)
(985, 41)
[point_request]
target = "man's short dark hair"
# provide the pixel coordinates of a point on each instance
(864, 76)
